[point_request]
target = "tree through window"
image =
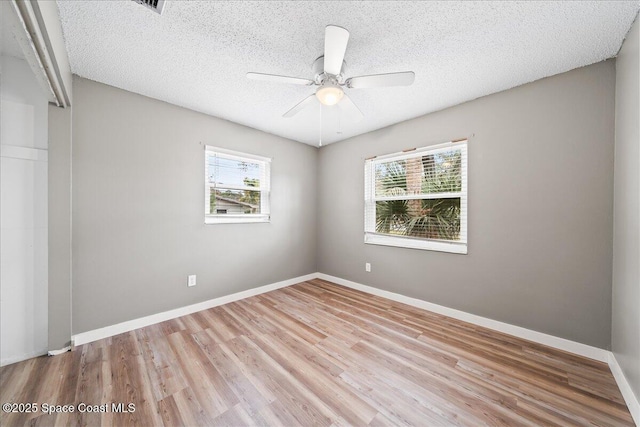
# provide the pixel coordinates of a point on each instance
(418, 199)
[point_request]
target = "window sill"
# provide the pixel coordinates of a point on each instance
(426, 245)
(229, 219)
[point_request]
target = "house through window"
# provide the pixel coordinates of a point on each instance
(418, 198)
(237, 187)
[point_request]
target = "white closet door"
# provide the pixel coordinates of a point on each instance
(23, 237)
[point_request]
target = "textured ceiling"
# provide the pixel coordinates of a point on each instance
(196, 54)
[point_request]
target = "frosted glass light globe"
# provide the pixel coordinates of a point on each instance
(329, 94)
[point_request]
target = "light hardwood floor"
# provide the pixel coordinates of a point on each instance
(317, 354)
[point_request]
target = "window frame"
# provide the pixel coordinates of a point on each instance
(373, 238)
(265, 188)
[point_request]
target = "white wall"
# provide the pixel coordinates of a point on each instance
(23, 213)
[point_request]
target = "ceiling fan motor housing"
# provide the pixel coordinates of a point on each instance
(329, 70)
(321, 76)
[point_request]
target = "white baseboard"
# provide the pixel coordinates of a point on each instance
(130, 325)
(549, 340)
(538, 337)
(61, 351)
(625, 388)
(15, 359)
(520, 332)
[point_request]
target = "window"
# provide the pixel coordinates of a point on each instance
(237, 187)
(418, 198)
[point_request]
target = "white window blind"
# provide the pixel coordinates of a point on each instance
(418, 198)
(237, 187)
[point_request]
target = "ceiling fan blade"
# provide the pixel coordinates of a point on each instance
(335, 45)
(404, 78)
(351, 110)
(300, 106)
(279, 79)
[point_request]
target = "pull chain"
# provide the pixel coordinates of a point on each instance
(320, 142)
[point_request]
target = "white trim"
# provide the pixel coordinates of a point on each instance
(577, 348)
(19, 29)
(235, 155)
(442, 147)
(265, 187)
(625, 388)
(235, 219)
(130, 325)
(61, 351)
(538, 337)
(22, 357)
(520, 332)
(33, 25)
(23, 153)
(415, 243)
(371, 199)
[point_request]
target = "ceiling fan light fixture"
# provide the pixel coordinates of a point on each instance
(328, 71)
(329, 94)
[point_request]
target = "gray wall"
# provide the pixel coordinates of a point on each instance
(138, 209)
(540, 208)
(59, 227)
(626, 221)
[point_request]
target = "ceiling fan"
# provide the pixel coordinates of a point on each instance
(329, 76)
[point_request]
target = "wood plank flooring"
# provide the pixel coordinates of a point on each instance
(316, 354)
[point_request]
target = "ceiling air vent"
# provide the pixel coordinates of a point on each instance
(155, 5)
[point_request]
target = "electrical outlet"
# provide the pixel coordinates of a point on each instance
(191, 281)
(367, 267)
